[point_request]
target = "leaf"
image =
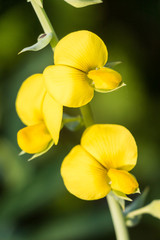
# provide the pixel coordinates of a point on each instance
(72, 123)
(43, 40)
(122, 84)
(137, 203)
(112, 64)
(39, 2)
(82, 3)
(153, 208)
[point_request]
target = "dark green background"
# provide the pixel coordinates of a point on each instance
(34, 203)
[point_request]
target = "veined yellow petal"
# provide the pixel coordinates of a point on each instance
(52, 113)
(112, 145)
(83, 50)
(83, 176)
(34, 139)
(29, 99)
(105, 78)
(68, 86)
(123, 181)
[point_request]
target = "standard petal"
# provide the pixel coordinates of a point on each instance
(29, 99)
(34, 139)
(68, 86)
(83, 176)
(112, 145)
(123, 181)
(83, 50)
(105, 78)
(52, 113)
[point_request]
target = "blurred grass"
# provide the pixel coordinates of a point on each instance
(34, 203)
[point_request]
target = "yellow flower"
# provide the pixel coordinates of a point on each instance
(40, 112)
(101, 163)
(79, 69)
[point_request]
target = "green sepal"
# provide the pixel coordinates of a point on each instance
(112, 64)
(21, 153)
(39, 2)
(72, 123)
(38, 154)
(42, 41)
(136, 204)
(43, 152)
(82, 3)
(122, 84)
(120, 197)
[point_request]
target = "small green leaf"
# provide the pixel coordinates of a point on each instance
(112, 64)
(41, 153)
(82, 3)
(72, 123)
(122, 84)
(39, 2)
(137, 203)
(153, 208)
(43, 40)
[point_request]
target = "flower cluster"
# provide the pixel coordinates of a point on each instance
(107, 152)
(79, 59)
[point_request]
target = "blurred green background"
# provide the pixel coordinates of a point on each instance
(34, 203)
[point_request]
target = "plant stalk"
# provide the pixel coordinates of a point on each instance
(115, 209)
(120, 227)
(116, 213)
(45, 22)
(86, 112)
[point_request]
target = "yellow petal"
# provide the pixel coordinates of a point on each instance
(52, 113)
(34, 139)
(83, 176)
(122, 181)
(105, 78)
(29, 100)
(112, 145)
(68, 86)
(83, 50)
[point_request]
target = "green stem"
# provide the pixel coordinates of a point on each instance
(116, 212)
(87, 115)
(118, 218)
(45, 22)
